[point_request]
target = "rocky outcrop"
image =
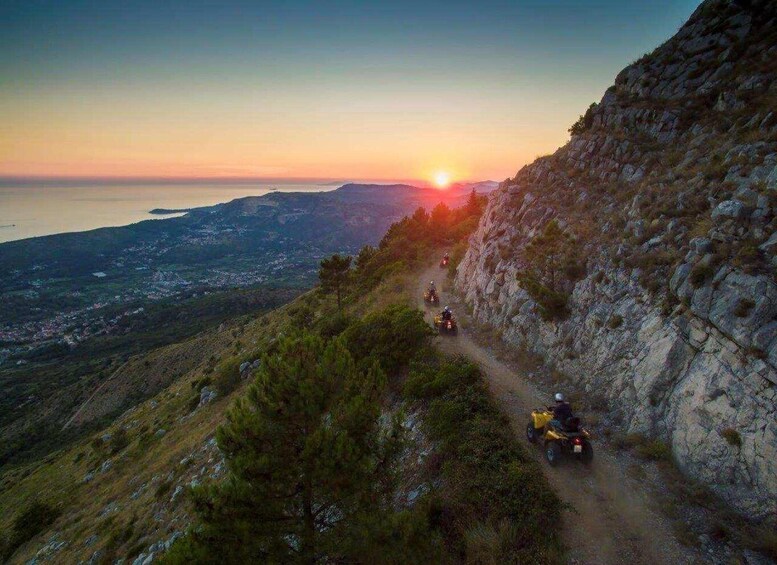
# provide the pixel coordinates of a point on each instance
(668, 191)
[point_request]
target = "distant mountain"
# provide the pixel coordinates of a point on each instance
(76, 308)
(278, 239)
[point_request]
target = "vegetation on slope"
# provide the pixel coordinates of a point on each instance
(480, 498)
(453, 484)
(315, 447)
(41, 394)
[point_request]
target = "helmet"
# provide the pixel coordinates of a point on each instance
(431, 282)
(559, 397)
(447, 308)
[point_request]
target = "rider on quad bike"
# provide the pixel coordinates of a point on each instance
(445, 260)
(431, 296)
(560, 432)
(561, 412)
(445, 322)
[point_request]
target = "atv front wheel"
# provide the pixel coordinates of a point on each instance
(531, 432)
(553, 453)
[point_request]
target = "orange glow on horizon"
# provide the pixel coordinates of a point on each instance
(189, 140)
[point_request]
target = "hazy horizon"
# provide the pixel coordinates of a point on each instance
(36, 209)
(96, 180)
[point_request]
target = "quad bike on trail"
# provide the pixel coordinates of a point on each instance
(569, 440)
(444, 262)
(431, 297)
(449, 326)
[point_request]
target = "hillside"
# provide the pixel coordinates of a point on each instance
(68, 335)
(447, 480)
(639, 259)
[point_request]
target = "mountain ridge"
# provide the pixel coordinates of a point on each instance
(665, 304)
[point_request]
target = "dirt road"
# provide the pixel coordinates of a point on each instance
(609, 520)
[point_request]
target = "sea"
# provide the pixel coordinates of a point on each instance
(33, 209)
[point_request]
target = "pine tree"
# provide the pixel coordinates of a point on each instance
(548, 253)
(334, 275)
(440, 221)
(366, 254)
(550, 256)
(310, 463)
(473, 204)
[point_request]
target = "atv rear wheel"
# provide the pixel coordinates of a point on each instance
(588, 454)
(553, 453)
(531, 432)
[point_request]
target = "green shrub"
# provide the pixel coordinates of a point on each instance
(457, 254)
(194, 402)
(764, 539)
(615, 321)
(655, 450)
(392, 336)
(584, 122)
(227, 376)
(496, 506)
(628, 441)
(301, 316)
(732, 437)
(332, 326)
(743, 308)
(28, 524)
(552, 304)
(701, 273)
(119, 440)
(686, 535)
(197, 384)
(163, 488)
(98, 445)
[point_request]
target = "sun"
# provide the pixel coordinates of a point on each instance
(442, 179)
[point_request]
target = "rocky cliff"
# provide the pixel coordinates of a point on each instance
(639, 259)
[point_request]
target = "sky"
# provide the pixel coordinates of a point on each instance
(308, 90)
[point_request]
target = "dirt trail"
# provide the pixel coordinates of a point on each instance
(609, 521)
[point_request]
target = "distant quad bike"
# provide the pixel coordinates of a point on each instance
(448, 327)
(431, 297)
(571, 440)
(444, 262)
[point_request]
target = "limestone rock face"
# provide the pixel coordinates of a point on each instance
(668, 189)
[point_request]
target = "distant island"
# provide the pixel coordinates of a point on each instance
(167, 211)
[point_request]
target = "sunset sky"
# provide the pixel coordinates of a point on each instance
(326, 90)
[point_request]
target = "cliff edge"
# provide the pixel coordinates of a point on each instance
(640, 258)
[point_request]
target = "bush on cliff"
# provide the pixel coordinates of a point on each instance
(552, 304)
(29, 523)
(584, 122)
(392, 337)
(496, 506)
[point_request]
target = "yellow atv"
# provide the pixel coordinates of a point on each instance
(446, 326)
(431, 297)
(571, 439)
